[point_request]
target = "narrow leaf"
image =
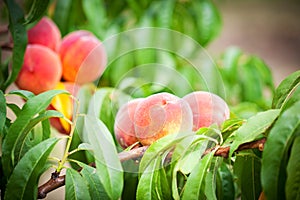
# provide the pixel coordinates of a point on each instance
(15, 108)
(210, 179)
(2, 112)
(29, 137)
(46, 129)
(19, 36)
(197, 178)
(226, 188)
(18, 129)
(24, 179)
(61, 15)
(76, 187)
(22, 93)
(148, 180)
(84, 95)
(292, 187)
(279, 139)
(108, 164)
(255, 126)
(247, 170)
(285, 89)
(161, 146)
(37, 10)
(92, 179)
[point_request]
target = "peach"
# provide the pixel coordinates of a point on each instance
(64, 104)
(207, 108)
(41, 70)
(45, 33)
(159, 115)
(83, 57)
(124, 127)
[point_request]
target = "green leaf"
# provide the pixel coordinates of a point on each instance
(61, 15)
(275, 151)
(2, 112)
(92, 179)
(251, 83)
(187, 163)
(186, 156)
(225, 184)
(19, 36)
(292, 187)
(148, 181)
(207, 21)
(22, 184)
(210, 179)
(15, 108)
(255, 126)
(22, 93)
(18, 130)
(153, 183)
(108, 165)
(76, 187)
(285, 89)
(84, 96)
(31, 136)
(247, 170)
(100, 106)
(162, 146)
(196, 179)
(96, 15)
(37, 10)
(46, 129)
(229, 64)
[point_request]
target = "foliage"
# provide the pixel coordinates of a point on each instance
(183, 166)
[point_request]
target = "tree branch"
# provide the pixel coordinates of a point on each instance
(54, 182)
(57, 181)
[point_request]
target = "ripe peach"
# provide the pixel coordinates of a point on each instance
(83, 57)
(64, 104)
(45, 33)
(207, 108)
(159, 115)
(124, 127)
(41, 70)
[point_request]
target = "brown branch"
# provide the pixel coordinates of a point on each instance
(7, 47)
(54, 182)
(57, 181)
(132, 154)
(224, 151)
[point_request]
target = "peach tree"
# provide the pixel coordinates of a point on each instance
(137, 132)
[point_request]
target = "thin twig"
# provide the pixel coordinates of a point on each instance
(57, 181)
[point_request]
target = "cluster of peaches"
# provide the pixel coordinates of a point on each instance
(142, 121)
(53, 62)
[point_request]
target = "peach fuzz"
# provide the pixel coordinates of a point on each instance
(45, 33)
(159, 115)
(83, 57)
(41, 70)
(207, 108)
(124, 127)
(64, 104)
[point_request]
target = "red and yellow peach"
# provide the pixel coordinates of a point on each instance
(45, 33)
(83, 57)
(159, 115)
(64, 104)
(41, 70)
(124, 124)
